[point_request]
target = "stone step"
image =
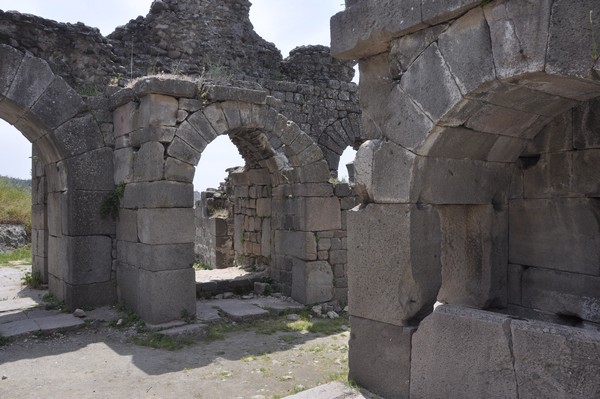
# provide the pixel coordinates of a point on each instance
(51, 323)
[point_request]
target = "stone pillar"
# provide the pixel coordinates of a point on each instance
(394, 275)
(155, 231)
(39, 215)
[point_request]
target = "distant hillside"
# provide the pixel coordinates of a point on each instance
(21, 183)
(15, 201)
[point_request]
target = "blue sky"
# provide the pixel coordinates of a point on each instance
(287, 23)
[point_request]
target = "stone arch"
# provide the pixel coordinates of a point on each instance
(166, 134)
(471, 112)
(71, 243)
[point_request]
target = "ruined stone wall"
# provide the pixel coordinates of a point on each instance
(78, 53)
(213, 215)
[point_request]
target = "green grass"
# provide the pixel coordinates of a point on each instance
(15, 204)
(4, 340)
(159, 341)
(20, 254)
(32, 280)
(52, 303)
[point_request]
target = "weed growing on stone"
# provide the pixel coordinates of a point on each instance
(52, 303)
(32, 280)
(131, 319)
(595, 51)
(111, 203)
(199, 265)
(4, 340)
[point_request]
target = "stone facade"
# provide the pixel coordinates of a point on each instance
(132, 150)
(478, 189)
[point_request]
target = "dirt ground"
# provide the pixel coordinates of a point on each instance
(101, 361)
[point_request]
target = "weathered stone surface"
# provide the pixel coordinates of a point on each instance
(568, 294)
(430, 84)
(393, 253)
(182, 151)
(586, 121)
(225, 93)
(382, 368)
(148, 164)
(474, 255)
(176, 170)
(299, 244)
(462, 353)
(166, 226)
(318, 214)
(163, 134)
(312, 282)
(11, 60)
(127, 225)
(92, 170)
(80, 214)
(124, 119)
(158, 194)
(78, 135)
(123, 164)
(156, 257)
(551, 176)
(467, 49)
(541, 230)
(91, 259)
(165, 295)
(365, 28)
(168, 87)
(32, 79)
(569, 20)
(53, 113)
(406, 49)
(519, 33)
(504, 121)
(585, 172)
(157, 110)
(550, 359)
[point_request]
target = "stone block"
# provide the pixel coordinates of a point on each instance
(312, 282)
(406, 49)
(166, 226)
(11, 60)
(166, 86)
(157, 110)
(460, 181)
(182, 151)
(228, 93)
(56, 202)
(367, 27)
(81, 214)
(319, 214)
(92, 170)
(265, 240)
(586, 122)
(202, 125)
(567, 294)
(148, 164)
(176, 170)
(379, 357)
(263, 207)
(462, 353)
(166, 295)
(127, 225)
(31, 81)
(312, 190)
(124, 118)
(515, 276)
(569, 39)
(438, 11)
(474, 255)
(519, 34)
(552, 360)
(585, 178)
(53, 113)
(559, 234)
(156, 257)
(298, 244)
(88, 258)
(551, 176)
(496, 119)
(127, 285)
(78, 135)
(215, 116)
(430, 84)
(123, 165)
(90, 295)
(458, 143)
(393, 253)
(162, 134)
(187, 133)
(466, 47)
